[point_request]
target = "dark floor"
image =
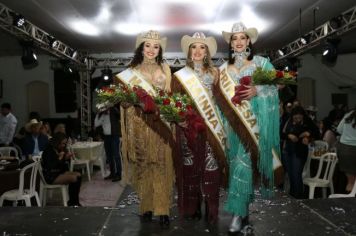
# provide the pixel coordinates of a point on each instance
(279, 216)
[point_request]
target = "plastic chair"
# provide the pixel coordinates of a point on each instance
(351, 194)
(21, 193)
(44, 186)
(6, 151)
(317, 147)
(99, 159)
(324, 177)
(79, 162)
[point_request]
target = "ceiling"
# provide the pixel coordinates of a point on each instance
(101, 26)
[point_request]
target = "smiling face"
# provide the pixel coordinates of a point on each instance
(239, 42)
(198, 51)
(150, 49)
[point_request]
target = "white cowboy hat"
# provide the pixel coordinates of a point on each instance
(31, 123)
(153, 36)
(199, 37)
(239, 27)
(311, 108)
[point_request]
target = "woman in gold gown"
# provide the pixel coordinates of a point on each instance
(147, 144)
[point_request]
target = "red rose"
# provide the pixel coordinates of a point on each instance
(246, 80)
(166, 101)
(161, 93)
(279, 74)
(170, 94)
(189, 107)
(178, 104)
(182, 114)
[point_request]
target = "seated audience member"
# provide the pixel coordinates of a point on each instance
(46, 130)
(34, 142)
(60, 128)
(55, 161)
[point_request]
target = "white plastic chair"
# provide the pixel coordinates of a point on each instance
(21, 193)
(100, 159)
(79, 162)
(6, 151)
(351, 194)
(44, 186)
(324, 177)
(317, 145)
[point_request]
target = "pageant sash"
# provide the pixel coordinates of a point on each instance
(244, 114)
(132, 78)
(203, 102)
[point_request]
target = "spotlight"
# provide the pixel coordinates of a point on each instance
(280, 52)
(52, 42)
(330, 50)
(18, 20)
(29, 57)
(336, 22)
(106, 73)
(74, 54)
(305, 39)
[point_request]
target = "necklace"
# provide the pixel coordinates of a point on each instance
(240, 58)
(149, 61)
(198, 69)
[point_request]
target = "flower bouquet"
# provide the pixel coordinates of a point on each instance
(114, 94)
(173, 107)
(263, 77)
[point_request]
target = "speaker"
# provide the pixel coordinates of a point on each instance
(339, 98)
(65, 91)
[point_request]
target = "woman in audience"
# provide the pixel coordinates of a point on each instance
(346, 148)
(297, 133)
(55, 161)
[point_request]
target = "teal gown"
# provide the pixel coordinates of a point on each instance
(265, 106)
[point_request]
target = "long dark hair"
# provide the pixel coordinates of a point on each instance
(138, 57)
(57, 138)
(231, 51)
(207, 63)
(351, 117)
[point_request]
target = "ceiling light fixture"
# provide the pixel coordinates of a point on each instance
(18, 20)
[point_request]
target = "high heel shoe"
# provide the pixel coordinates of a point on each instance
(164, 221)
(147, 216)
(236, 224)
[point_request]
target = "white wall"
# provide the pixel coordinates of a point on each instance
(15, 79)
(328, 79)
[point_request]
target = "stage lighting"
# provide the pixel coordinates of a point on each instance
(280, 52)
(330, 50)
(336, 22)
(52, 42)
(74, 54)
(106, 74)
(18, 20)
(305, 39)
(29, 57)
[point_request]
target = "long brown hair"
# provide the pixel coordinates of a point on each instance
(138, 57)
(207, 62)
(351, 117)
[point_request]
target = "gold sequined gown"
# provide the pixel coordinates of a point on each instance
(148, 163)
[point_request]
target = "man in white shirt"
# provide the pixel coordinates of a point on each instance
(109, 120)
(8, 124)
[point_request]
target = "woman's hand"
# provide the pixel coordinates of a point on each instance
(249, 93)
(68, 155)
(125, 105)
(61, 155)
(304, 134)
(183, 124)
(293, 138)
